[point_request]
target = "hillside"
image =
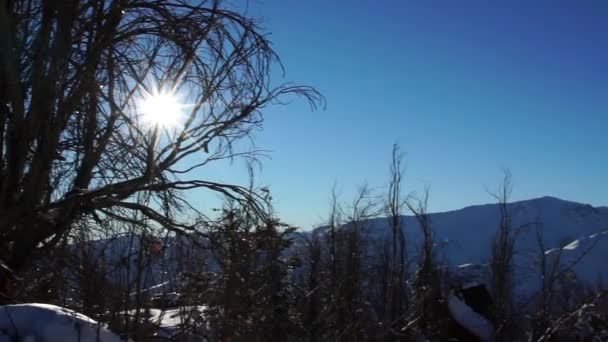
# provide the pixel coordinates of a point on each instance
(464, 237)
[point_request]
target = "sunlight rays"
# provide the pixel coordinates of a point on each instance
(161, 109)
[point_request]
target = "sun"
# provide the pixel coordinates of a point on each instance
(160, 109)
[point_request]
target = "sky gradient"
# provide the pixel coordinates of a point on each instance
(466, 88)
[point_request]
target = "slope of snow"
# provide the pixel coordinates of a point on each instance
(466, 238)
(469, 319)
(585, 255)
(49, 323)
(172, 318)
(171, 322)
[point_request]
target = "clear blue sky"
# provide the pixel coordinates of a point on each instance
(467, 88)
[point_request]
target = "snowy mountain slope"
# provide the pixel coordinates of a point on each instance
(465, 237)
(49, 323)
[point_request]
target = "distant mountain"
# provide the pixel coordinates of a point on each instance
(464, 242)
(464, 237)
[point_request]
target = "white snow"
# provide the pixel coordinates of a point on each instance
(170, 321)
(572, 245)
(49, 323)
(469, 319)
(168, 318)
(155, 289)
(549, 251)
(585, 243)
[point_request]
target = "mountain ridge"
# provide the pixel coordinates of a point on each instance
(465, 235)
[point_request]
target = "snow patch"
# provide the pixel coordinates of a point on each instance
(170, 322)
(572, 245)
(470, 319)
(49, 323)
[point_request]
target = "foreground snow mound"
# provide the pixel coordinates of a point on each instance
(469, 319)
(49, 323)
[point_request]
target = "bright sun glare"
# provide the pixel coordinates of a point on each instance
(160, 109)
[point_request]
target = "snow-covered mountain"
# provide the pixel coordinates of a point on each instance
(577, 232)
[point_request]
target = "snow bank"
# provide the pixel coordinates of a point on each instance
(469, 319)
(49, 323)
(172, 322)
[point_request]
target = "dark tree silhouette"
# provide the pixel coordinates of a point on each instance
(501, 262)
(396, 290)
(73, 143)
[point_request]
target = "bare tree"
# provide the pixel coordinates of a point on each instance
(583, 323)
(501, 262)
(353, 310)
(427, 303)
(345, 309)
(74, 141)
(547, 272)
(315, 289)
(398, 300)
(557, 284)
